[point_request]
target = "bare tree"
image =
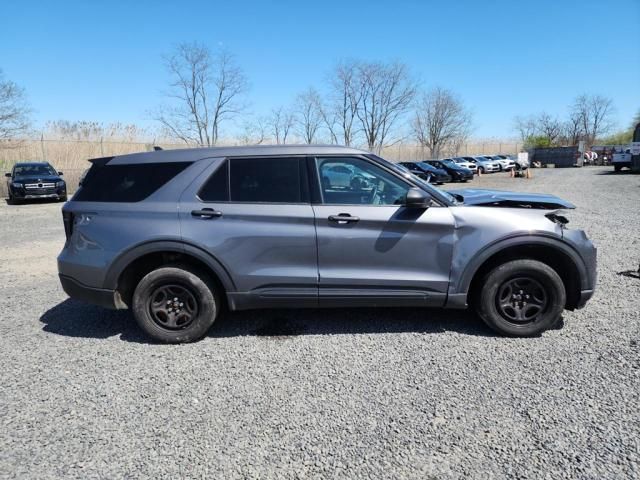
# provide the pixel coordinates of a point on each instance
(281, 123)
(14, 110)
(205, 90)
(594, 113)
(549, 127)
(309, 114)
(572, 129)
(339, 113)
(526, 127)
(386, 94)
(254, 132)
(441, 120)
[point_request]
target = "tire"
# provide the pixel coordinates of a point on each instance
(617, 168)
(154, 306)
(503, 286)
(481, 170)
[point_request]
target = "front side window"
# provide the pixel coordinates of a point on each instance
(353, 181)
(266, 180)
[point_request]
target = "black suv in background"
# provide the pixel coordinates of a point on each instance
(457, 172)
(33, 180)
(427, 172)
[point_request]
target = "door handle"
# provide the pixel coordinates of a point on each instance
(206, 213)
(343, 218)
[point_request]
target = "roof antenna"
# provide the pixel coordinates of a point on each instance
(156, 148)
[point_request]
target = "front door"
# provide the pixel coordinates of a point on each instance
(371, 249)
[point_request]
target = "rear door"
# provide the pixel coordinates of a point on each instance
(371, 249)
(253, 215)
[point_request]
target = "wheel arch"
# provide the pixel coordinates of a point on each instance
(127, 270)
(553, 252)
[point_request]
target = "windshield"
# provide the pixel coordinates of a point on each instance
(427, 187)
(449, 163)
(33, 169)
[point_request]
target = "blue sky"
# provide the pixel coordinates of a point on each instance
(99, 60)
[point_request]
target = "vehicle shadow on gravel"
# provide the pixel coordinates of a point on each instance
(76, 319)
(622, 172)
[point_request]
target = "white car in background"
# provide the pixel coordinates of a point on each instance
(484, 165)
(465, 163)
(506, 164)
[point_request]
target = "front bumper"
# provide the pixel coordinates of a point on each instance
(463, 176)
(589, 254)
(20, 193)
(585, 295)
(96, 296)
(442, 179)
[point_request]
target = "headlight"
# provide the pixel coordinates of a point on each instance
(60, 183)
(16, 185)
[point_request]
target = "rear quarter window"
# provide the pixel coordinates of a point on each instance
(126, 183)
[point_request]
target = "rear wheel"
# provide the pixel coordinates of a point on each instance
(521, 298)
(175, 304)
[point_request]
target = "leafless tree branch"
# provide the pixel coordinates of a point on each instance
(15, 112)
(441, 120)
(205, 90)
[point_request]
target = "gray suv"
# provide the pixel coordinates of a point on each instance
(179, 236)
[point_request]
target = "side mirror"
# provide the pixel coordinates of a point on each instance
(8, 175)
(60, 173)
(417, 198)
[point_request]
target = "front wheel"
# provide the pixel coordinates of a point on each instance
(175, 304)
(521, 298)
(481, 170)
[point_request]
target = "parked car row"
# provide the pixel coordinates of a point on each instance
(439, 171)
(459, 169)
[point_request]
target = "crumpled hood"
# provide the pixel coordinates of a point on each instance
(501, 198)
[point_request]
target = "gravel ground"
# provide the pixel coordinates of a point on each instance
(351, 393)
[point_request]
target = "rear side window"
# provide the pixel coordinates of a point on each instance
(126, 183)
(269, 180)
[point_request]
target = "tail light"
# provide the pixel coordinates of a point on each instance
(67, 219)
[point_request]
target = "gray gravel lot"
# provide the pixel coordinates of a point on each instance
(375, 393)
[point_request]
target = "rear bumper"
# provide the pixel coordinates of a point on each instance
(96, 296)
